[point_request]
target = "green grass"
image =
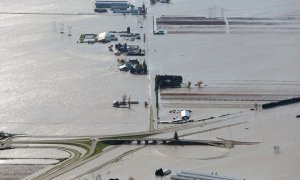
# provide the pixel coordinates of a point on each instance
(99, 148)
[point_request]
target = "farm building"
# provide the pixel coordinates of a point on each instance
(111, 4)
(106, 37)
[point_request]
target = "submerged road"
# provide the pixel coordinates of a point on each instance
(113, 155)
(83, 162)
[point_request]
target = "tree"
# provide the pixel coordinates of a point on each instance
(189, 84)
(199, 83)
(145, 68)
(129, 101)
(175, 135)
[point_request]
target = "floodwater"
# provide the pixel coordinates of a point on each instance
(52, 85)
(269, 128)
(30, 161)
(9, 171)
(34, 153)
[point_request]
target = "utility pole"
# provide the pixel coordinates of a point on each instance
(61, 28)
(69, 30)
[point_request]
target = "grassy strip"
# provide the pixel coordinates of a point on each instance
(99, 148)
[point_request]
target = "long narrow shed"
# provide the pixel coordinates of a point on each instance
(111, 4)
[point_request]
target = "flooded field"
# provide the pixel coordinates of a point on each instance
(227, 25)
(53, 85)
(12, 172)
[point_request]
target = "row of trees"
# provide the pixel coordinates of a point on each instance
(167, 81)
(281, 103)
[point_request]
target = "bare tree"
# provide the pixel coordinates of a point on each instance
(129, 101)
(189, 84)
(222, 12)
(175, 135)
(198, 83)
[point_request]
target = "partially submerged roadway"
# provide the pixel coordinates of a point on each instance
(88, 144)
